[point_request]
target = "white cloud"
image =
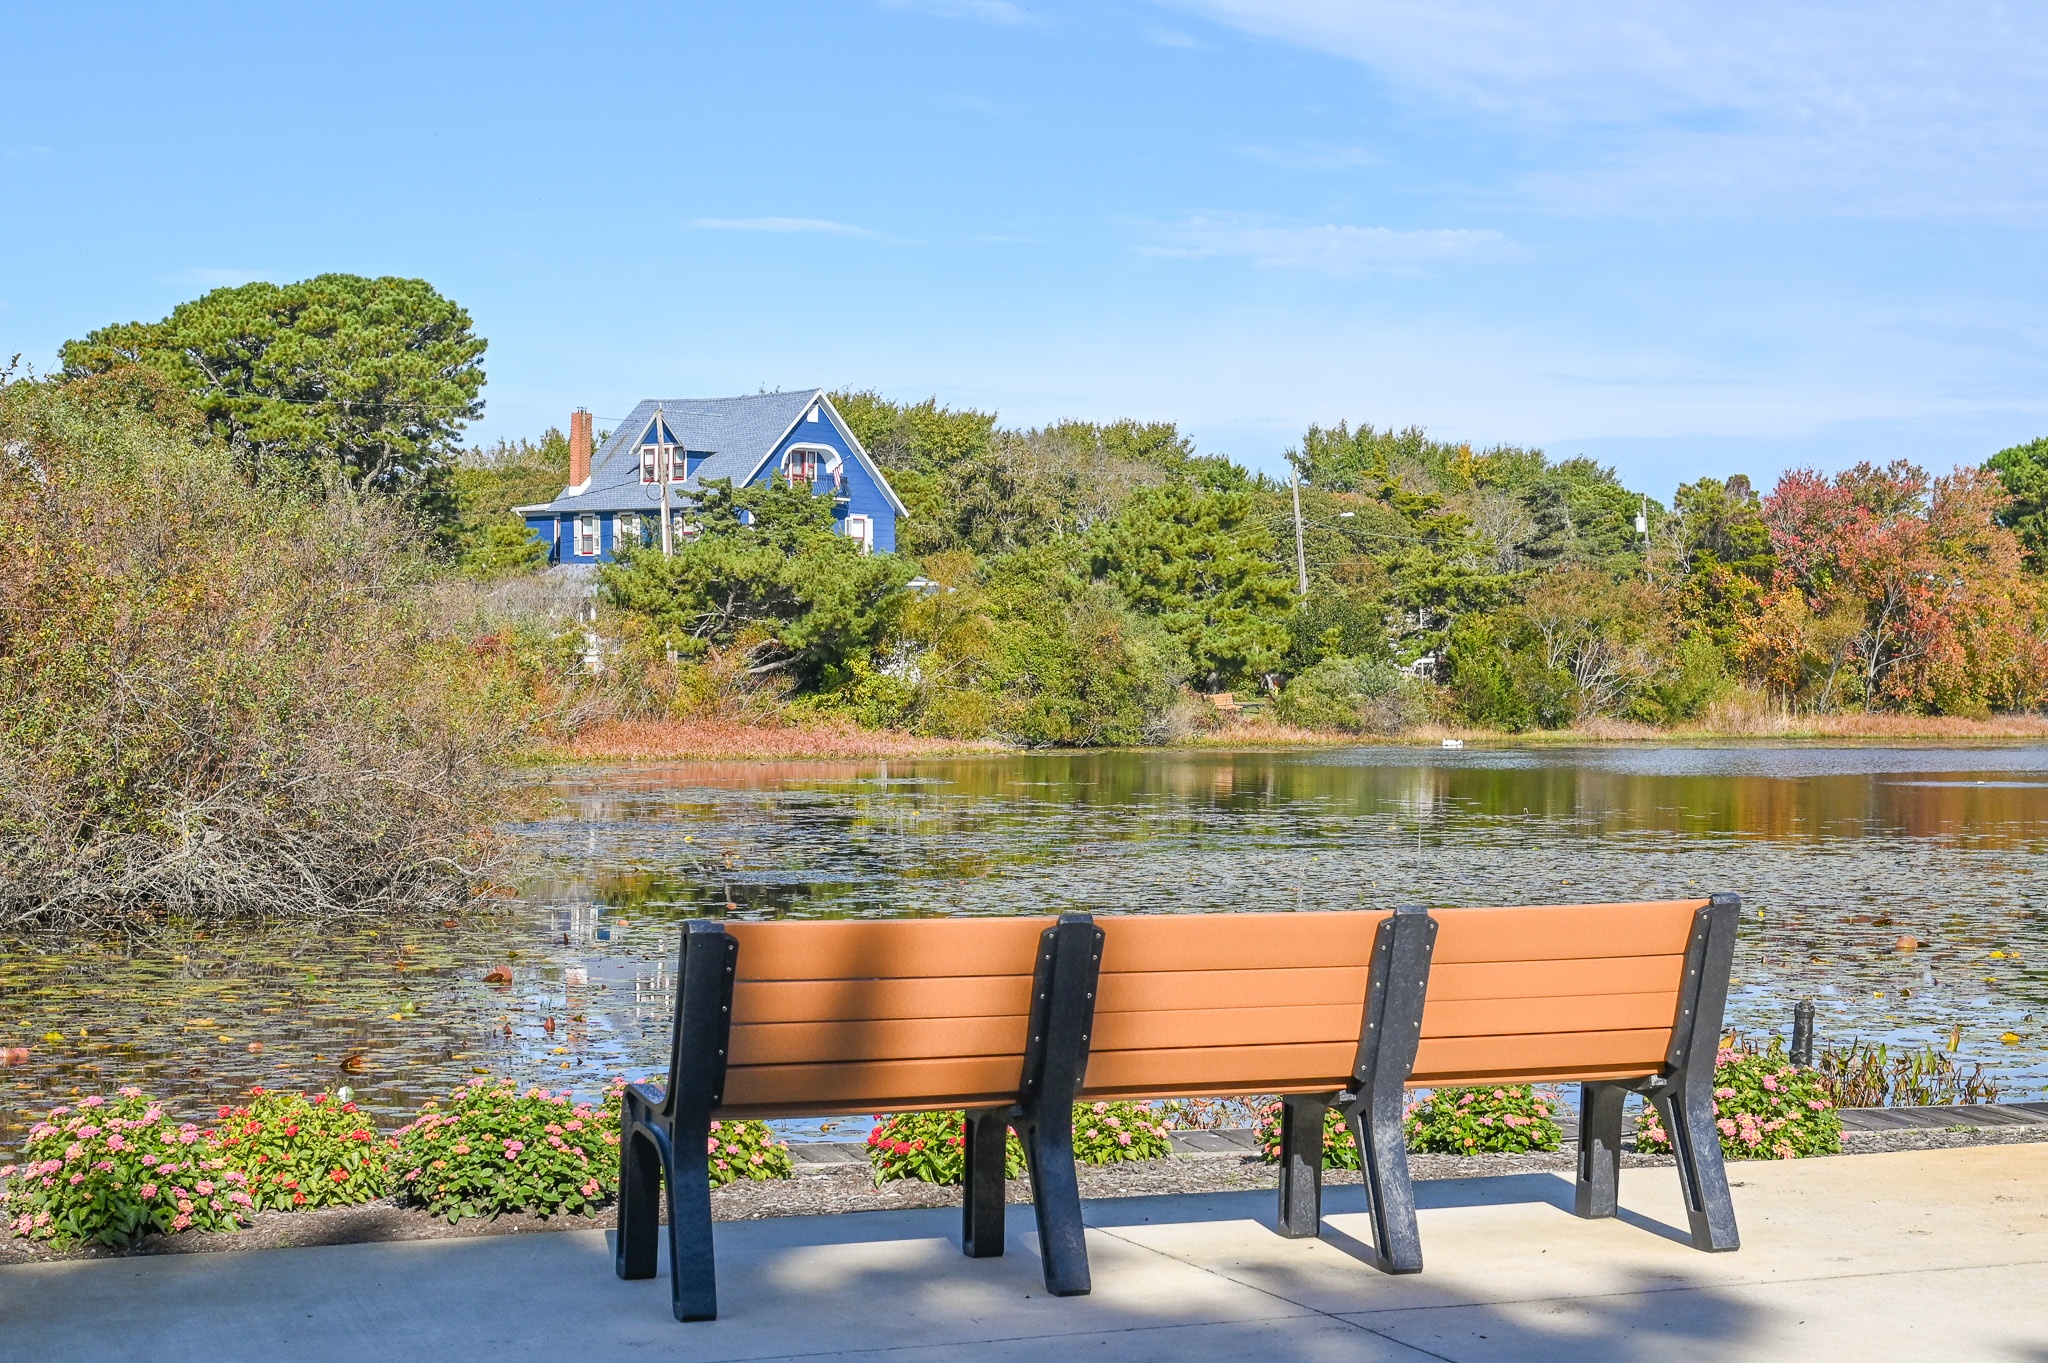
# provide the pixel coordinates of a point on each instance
(825, 225)
(1335, 249)
(1886, 108)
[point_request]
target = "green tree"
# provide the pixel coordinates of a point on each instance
(767, 572)
(1202, 563)
(2023, 470)
(372, 380)
(1724, 552)
(487, 484)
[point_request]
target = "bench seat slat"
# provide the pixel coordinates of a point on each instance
(1125, 991)
(1512, 1017)
(1184, 1028)
(1561, 1052)
(1455, 982)
(1233, 942)
(956, 996)
(886, 948)
(1562, 932)
(869, 1086)
(797, 1043)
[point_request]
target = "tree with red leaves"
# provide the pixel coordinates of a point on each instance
(1895, 590)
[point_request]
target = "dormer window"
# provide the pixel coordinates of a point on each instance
(659, 449)
(801, 466)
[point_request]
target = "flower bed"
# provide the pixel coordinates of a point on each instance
(1340, 1147)
(1498, 1120)
(299, 1152)
(1110, 1133)
(110, 1172)
(493, 1149)
(1765, 1108)
(930, 1147)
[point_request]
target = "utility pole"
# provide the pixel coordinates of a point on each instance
(664, 469)
(1300, 549)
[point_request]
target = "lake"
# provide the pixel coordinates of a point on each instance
(1836, 852)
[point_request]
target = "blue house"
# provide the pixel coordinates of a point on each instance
(614, 496)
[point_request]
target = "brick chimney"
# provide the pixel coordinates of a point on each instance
(579, 447)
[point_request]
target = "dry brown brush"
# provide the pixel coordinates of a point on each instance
(220, 697)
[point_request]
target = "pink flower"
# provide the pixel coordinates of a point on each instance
(1724, 1092)
(1770, 1084)
(77, 1179)
(1123, 1138)
(148, 1191)
(1727, 1127)
(181, 1221)
(117, 1142)
(205, 1187)
(94, 1101)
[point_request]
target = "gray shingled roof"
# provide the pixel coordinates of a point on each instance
(737, 433)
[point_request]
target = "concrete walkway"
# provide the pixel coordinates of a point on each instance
(1924, 1255)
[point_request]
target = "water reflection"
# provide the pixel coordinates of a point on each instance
(1836, 852)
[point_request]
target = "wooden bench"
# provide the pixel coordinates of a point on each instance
(809, 1018)
(1618, 998)
(1013, 1020)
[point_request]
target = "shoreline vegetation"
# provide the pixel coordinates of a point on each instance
(274, 641)
(673, 741)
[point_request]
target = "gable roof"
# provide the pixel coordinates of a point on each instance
(737, 436)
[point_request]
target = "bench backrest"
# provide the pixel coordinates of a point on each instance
(1564, 992)
(877, 1016)
(1223, 1004)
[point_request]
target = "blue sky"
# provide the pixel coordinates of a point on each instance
(1685, 239)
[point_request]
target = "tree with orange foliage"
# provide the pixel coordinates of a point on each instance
(1895, 590)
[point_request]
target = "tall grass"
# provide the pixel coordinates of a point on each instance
(222, 697)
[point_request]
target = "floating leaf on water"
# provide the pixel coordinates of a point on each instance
(1908, 942)
(53, 1037)
(2011, 1038)
(498, 974)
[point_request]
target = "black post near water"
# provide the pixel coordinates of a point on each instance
(1802, 1034)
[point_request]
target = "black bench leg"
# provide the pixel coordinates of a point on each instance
(981, 1202)
(1301, 1165)
(637, 1252)
(1056, 1199)
(692, 1270)
(1600, 1108)
(1688, 1113)
(1384, 1147)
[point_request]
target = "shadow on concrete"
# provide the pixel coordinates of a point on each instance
(1500, 1191)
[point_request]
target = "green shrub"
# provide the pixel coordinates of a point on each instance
(931, 1147)
(298, 1152)
(1108, 1133)
(109, 1173)
(1353, 696)
(1765, 1108)
(1508, 1119)
(494, 1150)
(746, 1150)
(1340, 1147)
